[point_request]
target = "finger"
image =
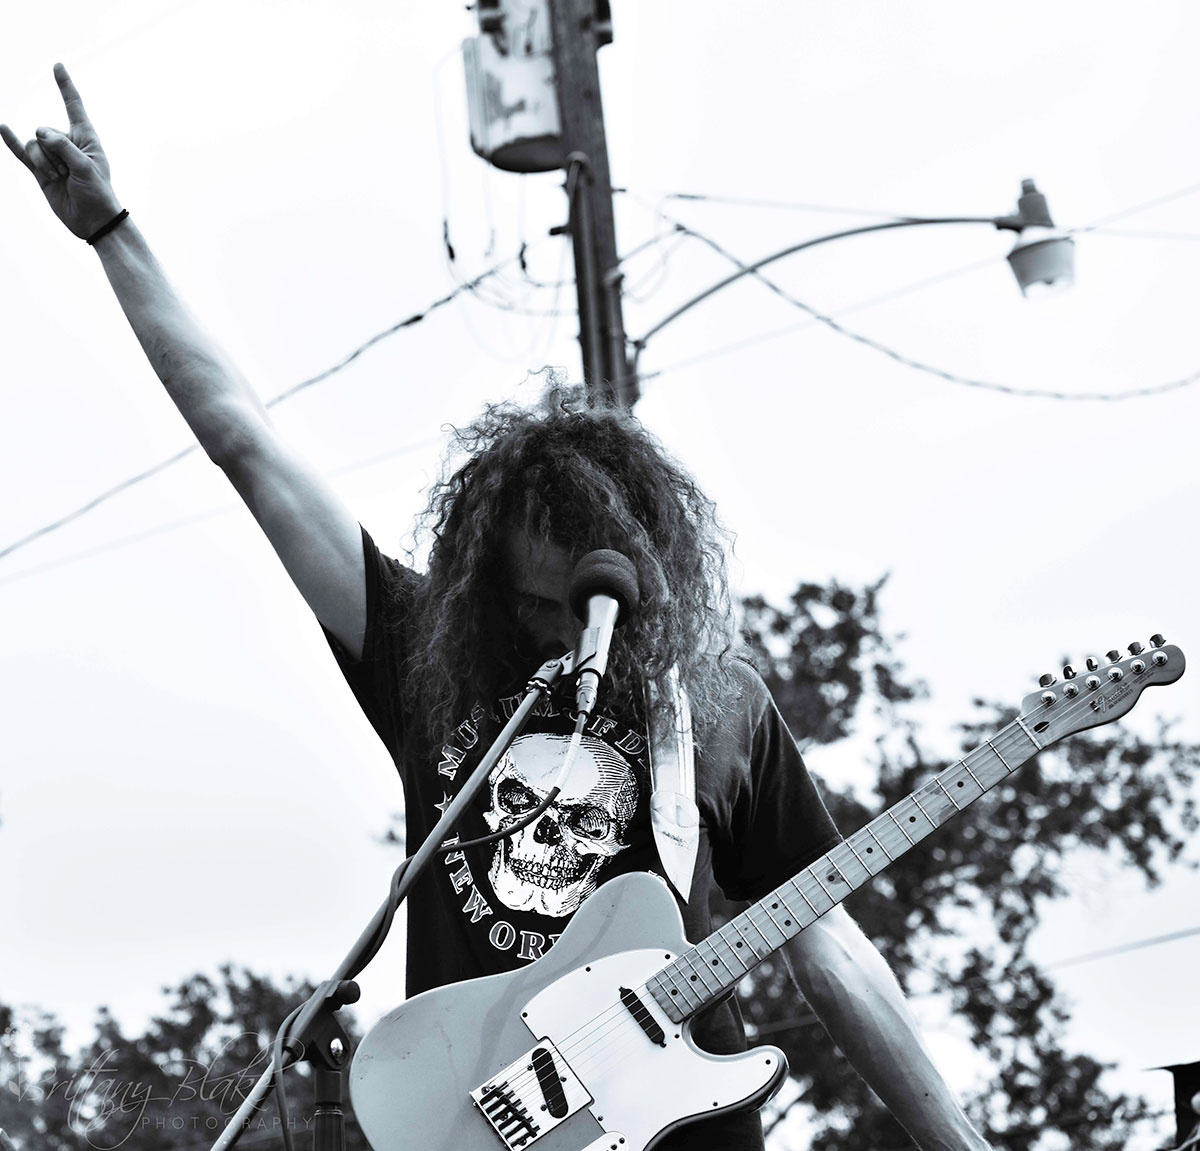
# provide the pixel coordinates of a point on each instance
(15, 146)
(70, 94)
(43, 166)
(63, 152)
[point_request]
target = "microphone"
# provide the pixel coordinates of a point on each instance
(603, 591)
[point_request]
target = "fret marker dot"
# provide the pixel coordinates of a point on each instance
(787, 923)
(869, 850)
(739, 943)
(912, 819)
(774, 906)
(714, 963)
(960, 783)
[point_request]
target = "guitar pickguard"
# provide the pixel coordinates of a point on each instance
(641, 1087)
(419, 1075)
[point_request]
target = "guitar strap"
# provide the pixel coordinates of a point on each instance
(674, 816)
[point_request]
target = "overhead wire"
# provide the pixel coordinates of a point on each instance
(190, 449)
(808, 1018)
(200, 517)
(919, 365)
(287, 394)
(1124, 948)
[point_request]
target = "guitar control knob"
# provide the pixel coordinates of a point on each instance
(1135, 648)
(1156, 640)
(1068, 672)
(1115, 673)
(1093, 682)
(1092, 664)
(1112, 656)
(1046, 680)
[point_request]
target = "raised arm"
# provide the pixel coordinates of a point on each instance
(313, 533)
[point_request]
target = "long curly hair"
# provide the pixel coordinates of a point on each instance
(580, 478)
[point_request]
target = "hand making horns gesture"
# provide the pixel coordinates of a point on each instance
(71, 168)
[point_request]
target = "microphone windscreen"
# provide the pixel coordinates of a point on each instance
(604, 572)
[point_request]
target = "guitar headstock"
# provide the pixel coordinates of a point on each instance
(1105, 691)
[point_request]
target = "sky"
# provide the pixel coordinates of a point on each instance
(185, 779)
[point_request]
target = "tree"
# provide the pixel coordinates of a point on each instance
(954, 916)
(175, 1086)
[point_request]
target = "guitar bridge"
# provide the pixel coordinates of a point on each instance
(531, 1096)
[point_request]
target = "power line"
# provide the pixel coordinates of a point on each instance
(751, 202)
(1125, 948)
(199, 517)
(788, 329)
(154, 470)
(784, 205)
(920, 365)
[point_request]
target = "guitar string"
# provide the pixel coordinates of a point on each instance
(579, 1054)
(579, 1045)
(600, 1029)
(602, 1033)
(583, 1044)
(1012, 738)
(616, 1013)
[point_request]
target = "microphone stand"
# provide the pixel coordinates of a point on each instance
(317, 1035)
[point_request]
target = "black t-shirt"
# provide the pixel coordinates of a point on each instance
(498, 907)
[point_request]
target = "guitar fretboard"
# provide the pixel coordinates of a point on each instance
(707, 970)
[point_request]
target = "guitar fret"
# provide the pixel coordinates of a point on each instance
(860, 859)
(699, 971)
(806, 899)
(901, 827)
(921, 806)
(1032, 738)
(971, 773)
(717, 958)
(750, 920)
(1004, 761)
(787, 906)
(749, 945)
(949, 793)
(813, 872)
(839, 873)
(772, 918)
(875, 837)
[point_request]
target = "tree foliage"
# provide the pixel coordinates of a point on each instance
(177, 1085)
(954, 916)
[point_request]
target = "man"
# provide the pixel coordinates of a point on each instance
(435, 659)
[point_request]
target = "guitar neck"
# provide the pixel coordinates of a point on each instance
(708, 970)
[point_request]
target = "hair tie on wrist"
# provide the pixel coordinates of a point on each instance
(99, 233)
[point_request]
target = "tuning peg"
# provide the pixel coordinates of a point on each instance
(1112, 656)
(1092, 664)
(1047, 679)
(1068, 672)
(1135, 648)
(1156, 640)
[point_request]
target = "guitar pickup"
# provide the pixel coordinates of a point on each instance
(645, 1020)
(531, 1096)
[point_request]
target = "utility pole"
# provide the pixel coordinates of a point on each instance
(577, 34)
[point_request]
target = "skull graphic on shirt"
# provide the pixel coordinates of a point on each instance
(550, 866)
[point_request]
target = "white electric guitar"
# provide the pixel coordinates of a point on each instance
(589, 1048)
